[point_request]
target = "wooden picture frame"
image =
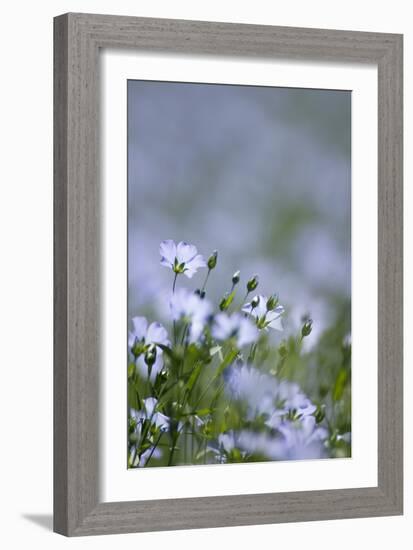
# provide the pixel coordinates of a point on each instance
(78, 39)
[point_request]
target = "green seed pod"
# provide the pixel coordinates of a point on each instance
(212, 260)
(272, 302)
(223, 304)
(307, 328)
(252, 283)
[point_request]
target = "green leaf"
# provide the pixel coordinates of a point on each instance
(203, 412)
(340, 384)
(228, 359)
(131, 370)
(194, 377)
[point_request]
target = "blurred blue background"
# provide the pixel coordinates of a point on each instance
(262, 174)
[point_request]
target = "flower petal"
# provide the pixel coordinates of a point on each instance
(167, 249)
(247, 308)
(185, 252)
(156, 367)
(222, 327)
(247, 333)
(149, 453)
(261, 308)
(226, 441)
(157, 334)
(166, 263)
(195, 330)
(193, 265)
(161, 421)
(149, 405)
(139, 327)
(276, 324)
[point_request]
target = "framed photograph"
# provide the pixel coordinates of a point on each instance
(228, 274)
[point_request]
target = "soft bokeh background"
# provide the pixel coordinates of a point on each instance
(261, 174)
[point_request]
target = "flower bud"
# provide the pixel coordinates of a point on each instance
(150, 355)
(307, 328)
(252, 283)
(272, 302)
(223, 303)
(255, 301)
(235, 278)
(226, 301)
(212, 260)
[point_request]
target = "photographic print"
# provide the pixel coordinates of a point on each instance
(239, 274)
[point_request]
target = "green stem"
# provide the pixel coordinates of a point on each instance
(134, 457)
(185, 330)
(173, 292)
(243, 302)
(153, 448)
(173, 448)
(251, 354)
(206, 280)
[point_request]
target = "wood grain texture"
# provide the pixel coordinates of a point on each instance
(78, 39)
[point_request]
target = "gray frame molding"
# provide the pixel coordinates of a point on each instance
(78, 38)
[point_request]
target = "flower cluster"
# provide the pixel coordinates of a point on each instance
(216, 384)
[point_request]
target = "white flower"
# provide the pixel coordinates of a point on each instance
(181, 257)
(226, 441)
(257, 389)
(264, 319)
(267, 395)
(155, 333)
(189, 307)
(150, 413)
(235, 325)
(141, 337)
(303, 439)
(149, 453)
(295, 399)
(248, 443)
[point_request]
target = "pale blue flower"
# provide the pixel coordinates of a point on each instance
(267, 395)
(258, 390)
(192, 309)
(303, 439)
(140, 338)
(150, 413)
(181, 257)
(226, 441)
(247, 443)
(264, 318)
(234, 326)
(141, 333)
(294, 399)
(225, 444)
(149, 453)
